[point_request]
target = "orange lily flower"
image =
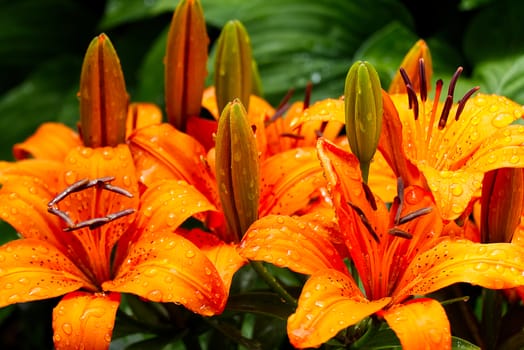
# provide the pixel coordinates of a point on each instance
(86, 234)
(398, 254)
(69, 253)
(289, 181)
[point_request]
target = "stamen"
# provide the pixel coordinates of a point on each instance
(282, 107)
(454, 79)
(463, 100)
(400, 233)
(413, 215)
(97, 222)
(423, 80)
(445, 112)
(307, 95)
(292, 136)
(400, 197)
(412, 95)
(102, 183)
(438, 90)
(407, 82)
(365, 221)
(369, 196)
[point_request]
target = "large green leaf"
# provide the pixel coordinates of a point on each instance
(293, 42)
(504, 77)
(48, 94)
(496, 32)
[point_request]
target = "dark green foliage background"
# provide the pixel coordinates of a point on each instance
(42, 44)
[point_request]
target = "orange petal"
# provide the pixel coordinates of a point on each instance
(32, 269)
(420, 324)
(502, 149)
(290, 180)
(165, 267)
(330, 301)
(329, 109)
(140, 115)
(163, 152)
(50, 141)
(290, 242)
(203, 130)
(494, 266)
(392, 140)
(382, 180)
(453, 190)
(223, 255)
(168, 203)
(93, 163)
(85, 321)
(23, 204)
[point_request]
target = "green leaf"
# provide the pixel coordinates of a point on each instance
(46, 95)
(264, 303)
(504, 76)
(119, 12)
(496, 32)
(306, 41)
(461, 344)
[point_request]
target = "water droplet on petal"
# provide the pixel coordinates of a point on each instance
(67, 328)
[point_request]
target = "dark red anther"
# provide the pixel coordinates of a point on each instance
(423, 80)
(463, 100)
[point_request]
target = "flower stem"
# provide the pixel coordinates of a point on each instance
(364, 169)
(272, 282)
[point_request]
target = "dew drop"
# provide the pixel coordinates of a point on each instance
(67, 328)
(481, 267)
(70, 177)
(502, 120)
(190, 253)
(457, 189)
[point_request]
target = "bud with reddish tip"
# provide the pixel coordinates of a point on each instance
(501, 204)
(185, 63)
(233, 76)
(103, 96)
(237, 169)
(363, 112)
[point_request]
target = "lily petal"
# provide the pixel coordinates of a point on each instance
(290, 180)
(420, 324)
(166, 267)
(50, 141)
(85, 320)
(31, 269)
(23, 204)
(290, 242)
(163, 152)
(223, 255)
(140, 115)
(330, 301)
(453, 190)
(494, 266)
(168, 203)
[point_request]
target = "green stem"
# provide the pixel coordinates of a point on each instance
(272, 282)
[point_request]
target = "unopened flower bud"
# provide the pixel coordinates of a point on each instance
(237, 168)
(501, 204)
(233, 76)
(103, 96)
(363, 111)
(185, 63)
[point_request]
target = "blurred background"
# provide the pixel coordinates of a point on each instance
(42, 44)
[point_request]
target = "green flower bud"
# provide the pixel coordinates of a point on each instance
(185, 63)
(237, 168)
(363, 109)
(103, 96)
(233, 77)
